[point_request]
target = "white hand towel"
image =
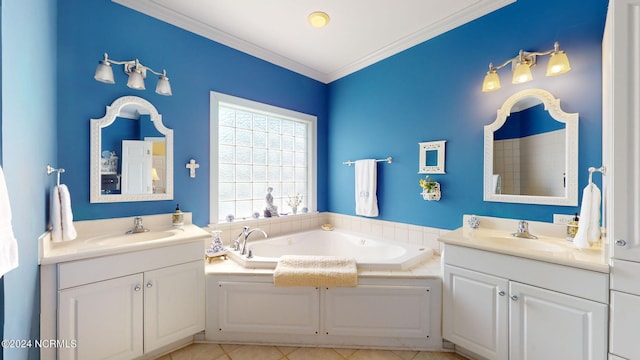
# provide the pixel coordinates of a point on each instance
(589, 224)
(8, 243)
(68, 230)
(62, 228)
(366, 183)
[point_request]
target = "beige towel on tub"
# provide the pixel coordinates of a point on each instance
(328, 271)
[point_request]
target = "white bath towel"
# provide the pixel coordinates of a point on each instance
(62, 228)
(330, 271)
(366, 184)
(8, 243)
(589, 224)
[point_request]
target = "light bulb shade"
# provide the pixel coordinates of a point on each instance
(136, 81)
(522, 73)
(491, 81)
(104, 72)
(558, 64)
(318, 19)
(163, 87)
(154, 174)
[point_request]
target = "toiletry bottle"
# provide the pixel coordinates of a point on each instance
(177, 219)
(572, 228)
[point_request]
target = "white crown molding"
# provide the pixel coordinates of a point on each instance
(475, 10)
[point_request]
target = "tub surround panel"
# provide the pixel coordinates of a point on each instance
(418, 329)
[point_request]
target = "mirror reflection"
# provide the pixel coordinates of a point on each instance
(531, 151)
(132, 153)
(132, 157)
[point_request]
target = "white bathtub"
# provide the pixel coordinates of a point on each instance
(369, 253)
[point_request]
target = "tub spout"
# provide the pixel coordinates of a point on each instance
(247, 233)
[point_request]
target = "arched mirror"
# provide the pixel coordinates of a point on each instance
(131, 153)
(531, 152)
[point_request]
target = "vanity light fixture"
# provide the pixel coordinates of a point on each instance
(137, 73)
(521, 66)
(318, 19)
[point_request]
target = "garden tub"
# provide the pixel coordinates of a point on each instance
(369, 252)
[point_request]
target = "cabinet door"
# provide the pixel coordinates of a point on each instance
(173, 303)
(475, 312)
(549, 325)
(105, 319)
(625, 325)
(621, 154)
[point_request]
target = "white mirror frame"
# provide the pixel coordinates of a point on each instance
(552, 105)
(438, 146)
(129, 107)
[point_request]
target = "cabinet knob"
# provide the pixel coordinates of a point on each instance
(137, 288)
(514, 297)
(621, 242)
(149, 284)
(501, 292)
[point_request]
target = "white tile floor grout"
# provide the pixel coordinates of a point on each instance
(203, 351)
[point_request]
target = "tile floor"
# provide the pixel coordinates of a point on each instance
(200, 351)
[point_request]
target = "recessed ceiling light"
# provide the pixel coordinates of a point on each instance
(318, 19)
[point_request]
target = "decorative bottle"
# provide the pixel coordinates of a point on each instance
(572, 228)
(177, 218)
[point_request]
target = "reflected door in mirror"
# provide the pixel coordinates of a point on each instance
(137, 162)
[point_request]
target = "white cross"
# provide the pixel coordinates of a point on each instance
(192, 166)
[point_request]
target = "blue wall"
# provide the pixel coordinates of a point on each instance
(432, 92)
(28, 144)
(195, 65)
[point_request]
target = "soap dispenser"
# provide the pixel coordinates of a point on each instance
(177, 219)
(572, 228)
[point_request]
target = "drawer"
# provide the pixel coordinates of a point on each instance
(75, 273)
(624, 276)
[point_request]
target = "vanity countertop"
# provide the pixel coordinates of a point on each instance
(546, 248)
(108, 237)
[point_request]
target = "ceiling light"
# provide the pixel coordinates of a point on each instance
(137, 73)
(318, 19)
(521, 66)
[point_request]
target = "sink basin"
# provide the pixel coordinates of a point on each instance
(128, 238)
(508, 241)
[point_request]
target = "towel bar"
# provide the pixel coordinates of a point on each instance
(388, 160)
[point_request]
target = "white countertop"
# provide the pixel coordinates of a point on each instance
(107, 237)
(560, 251)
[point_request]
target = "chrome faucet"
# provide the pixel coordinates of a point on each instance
(523, 231)
(137, 226)
(246, 232)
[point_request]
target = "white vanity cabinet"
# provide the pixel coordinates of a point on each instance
(127, 305)
(504, 307)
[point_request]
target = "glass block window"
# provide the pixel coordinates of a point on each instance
(259, 146)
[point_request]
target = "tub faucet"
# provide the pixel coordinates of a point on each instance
(523, 231)
(137, 226)
(247, 232)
